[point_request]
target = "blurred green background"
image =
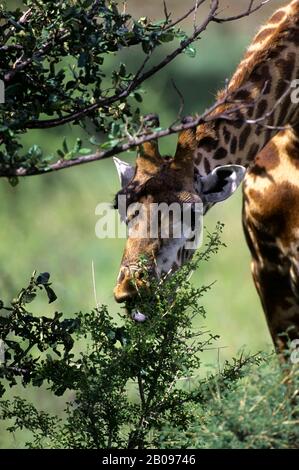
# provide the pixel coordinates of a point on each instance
(47, 222)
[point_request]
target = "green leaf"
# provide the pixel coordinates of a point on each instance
(115, 128)
(167, 37)
(43, 278)
(190, 51)
(84, 151)
(65, 146)
(78, 145)
(93, 140)
(35, 151)
(122, 70)
(138, 97)
(13, 181)
(110, 143)
(50, 293)
(28, 297)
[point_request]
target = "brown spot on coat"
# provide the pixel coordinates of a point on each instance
(244, 137)
(207, 166)
(226, 135)
(252, 152)
(242, 95)
(281, 88)
(220, 153)
(268, 158)
(286, 66)
(285, 106)
(233, 145)
(198, 158)
(264, 34)
(293, 36)
(261, 108)
(277, 17)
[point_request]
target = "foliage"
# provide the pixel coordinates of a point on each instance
(134, 384)
(256, 413)
(56, 67)
(22, 333)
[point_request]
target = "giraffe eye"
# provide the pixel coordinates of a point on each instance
(132, 216)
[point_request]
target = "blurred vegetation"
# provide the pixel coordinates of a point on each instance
(47, 222)
(251, 412)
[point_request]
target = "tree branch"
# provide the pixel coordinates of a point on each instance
(141, 78)
(185, 15)
(133, 142)
(249, 11)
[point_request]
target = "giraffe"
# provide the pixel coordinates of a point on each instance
(253, 130)
(271, 226)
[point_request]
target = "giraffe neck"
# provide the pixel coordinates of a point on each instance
(261, 89)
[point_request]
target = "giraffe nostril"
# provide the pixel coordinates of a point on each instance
(121, 276)
(125, 288)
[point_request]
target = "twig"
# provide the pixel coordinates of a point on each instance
(166, 13)
(185, 15)
(249, 11)
(182, 101)
(195, 13)
(19, 24)
(11, 47)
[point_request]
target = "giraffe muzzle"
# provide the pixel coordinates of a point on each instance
(128, 284)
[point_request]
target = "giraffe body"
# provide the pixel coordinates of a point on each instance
(271, 187)
(262, 85)
(271, 226)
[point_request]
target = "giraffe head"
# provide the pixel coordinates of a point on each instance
(159, 191)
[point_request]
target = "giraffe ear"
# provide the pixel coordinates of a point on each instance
(221, 183)
(125, 171)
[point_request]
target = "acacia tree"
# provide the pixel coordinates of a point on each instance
(56, 69)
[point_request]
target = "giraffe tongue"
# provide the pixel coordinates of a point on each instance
(138, 316)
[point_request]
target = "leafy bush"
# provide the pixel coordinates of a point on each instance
(57, 68)
(137, 384)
